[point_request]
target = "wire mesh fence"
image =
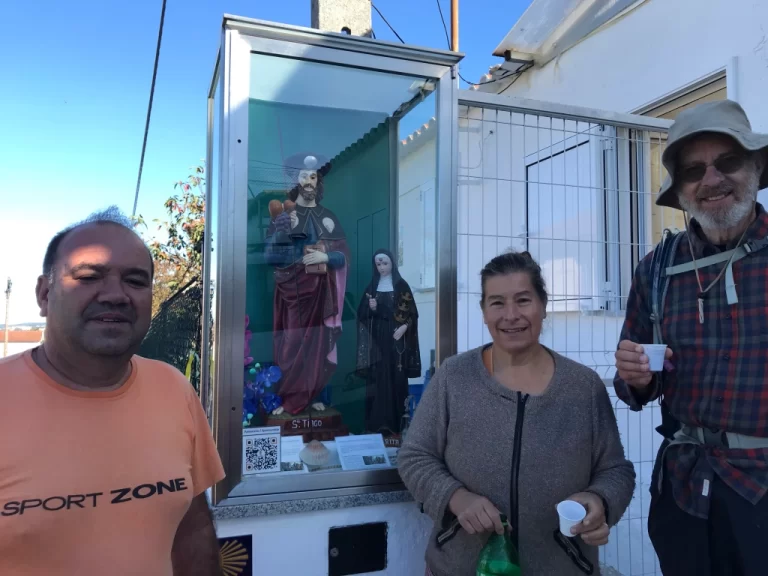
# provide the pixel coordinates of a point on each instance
(176, 331)
(577, 194)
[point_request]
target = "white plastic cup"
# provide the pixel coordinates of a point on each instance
(655, 353)
(571, 513)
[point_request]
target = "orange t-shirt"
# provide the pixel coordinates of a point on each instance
(95, 483)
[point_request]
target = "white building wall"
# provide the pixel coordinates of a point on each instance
(298, 543)
(417, 232)
(658, 48)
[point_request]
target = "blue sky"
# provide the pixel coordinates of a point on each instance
(76, 83)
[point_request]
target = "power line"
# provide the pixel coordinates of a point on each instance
(489, 81)
(149, 108)
(447, 38)
(519, 73)
(387, 23)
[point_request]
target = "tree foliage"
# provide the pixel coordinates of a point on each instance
(178, 254)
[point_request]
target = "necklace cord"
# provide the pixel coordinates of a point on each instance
(702, 291)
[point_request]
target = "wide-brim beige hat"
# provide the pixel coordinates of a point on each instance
(721, 117)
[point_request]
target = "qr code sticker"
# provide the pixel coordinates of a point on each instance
(261, 454)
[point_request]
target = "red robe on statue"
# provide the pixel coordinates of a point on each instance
(307, 307)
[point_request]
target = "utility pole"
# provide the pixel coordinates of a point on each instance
(455, 25)
(7, 315)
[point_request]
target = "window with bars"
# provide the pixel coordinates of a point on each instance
(573, 193)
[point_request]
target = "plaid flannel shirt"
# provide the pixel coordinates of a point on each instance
(720, 375)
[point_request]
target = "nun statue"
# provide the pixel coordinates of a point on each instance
(387, 345)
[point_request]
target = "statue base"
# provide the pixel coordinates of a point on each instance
(393, 441)
(318, 425)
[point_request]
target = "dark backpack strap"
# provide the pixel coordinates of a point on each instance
(669, 424)
(663, 257)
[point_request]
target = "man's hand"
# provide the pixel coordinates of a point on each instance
(475, 513)
(593, 529)
(294, 219)
(314, 257)
(195, 549)
(400, 331)
(632, 364)
(372, 304)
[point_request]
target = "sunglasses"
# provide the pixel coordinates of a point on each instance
(728, 164)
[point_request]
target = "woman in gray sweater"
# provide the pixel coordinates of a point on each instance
(515, 428)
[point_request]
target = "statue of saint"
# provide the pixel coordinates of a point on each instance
(387, 344)
(308, 249)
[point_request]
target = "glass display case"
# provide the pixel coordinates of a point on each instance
(329, 218)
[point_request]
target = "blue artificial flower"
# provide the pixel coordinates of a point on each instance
(271, 402)
(274, 374)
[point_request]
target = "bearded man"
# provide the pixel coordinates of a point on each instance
(704, 293)
(309, 251)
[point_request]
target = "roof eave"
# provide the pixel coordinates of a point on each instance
(312, 36)
(575, 27)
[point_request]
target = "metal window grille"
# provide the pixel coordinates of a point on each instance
(576, 191)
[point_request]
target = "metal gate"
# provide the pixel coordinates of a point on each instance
(575, 187)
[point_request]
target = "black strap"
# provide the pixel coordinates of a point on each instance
(448, 533)
(663, 256)
(669, 424)
(572, 549)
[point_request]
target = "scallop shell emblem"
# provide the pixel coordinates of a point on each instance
(233, 558)
(315, 454)
(329, 225)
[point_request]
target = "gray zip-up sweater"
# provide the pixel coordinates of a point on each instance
(463, 435)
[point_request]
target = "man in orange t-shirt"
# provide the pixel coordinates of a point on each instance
(105, 456)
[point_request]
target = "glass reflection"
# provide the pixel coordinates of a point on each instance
(340, 307)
